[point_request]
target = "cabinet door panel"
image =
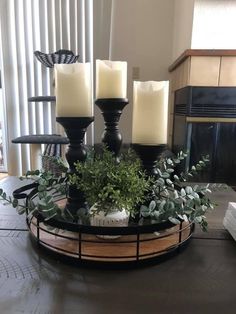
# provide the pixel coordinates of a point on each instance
(179, 133)
(199, 140)
(225, 158)
(202, 144)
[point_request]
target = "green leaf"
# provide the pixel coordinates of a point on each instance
(169, 182)
(41, 188)
(166, 192)
(188, 190)
(15, 203)
(174, 220)
(144, 211)
(170, 170)
(198, 167)
(195, 195)
(161, 205)
(169, 161)
(190, 196)
(152, 205)
(198, 219)
(160, 182)
(170, 205)
(156, 214)
(42, 203)
(176, 161)
(165, 175)
(50, 217)
(21, 210)
(176, 177)
(176, 195)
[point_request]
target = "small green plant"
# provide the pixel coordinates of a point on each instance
(170, 198)
(111, 185)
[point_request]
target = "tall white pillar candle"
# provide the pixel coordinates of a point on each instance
(150, 112)
(73, 90)
(111, 79)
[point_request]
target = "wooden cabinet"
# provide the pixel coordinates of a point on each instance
(203, 68)
(203, 110)
(196, 67)
(228, 71)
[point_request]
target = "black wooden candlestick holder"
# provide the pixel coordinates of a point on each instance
(149, 155)
(111, 109)
(75, 128)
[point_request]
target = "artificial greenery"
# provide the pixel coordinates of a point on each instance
(46, 186)
(109, 184)
(170, 198)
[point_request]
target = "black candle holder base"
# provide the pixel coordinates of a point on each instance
(111, 109)
(149, 155)
(75, 201)
(75, 128)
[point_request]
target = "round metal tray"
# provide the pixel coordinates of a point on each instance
(136, 245)
(82, 244)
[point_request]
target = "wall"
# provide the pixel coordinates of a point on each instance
(182, 28)
(101, 30)
(141, 34)
(204, 24)
(151, 34)
(214, 24)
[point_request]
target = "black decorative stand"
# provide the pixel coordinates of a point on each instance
(111, 109)
(75, 129)
(149, 155)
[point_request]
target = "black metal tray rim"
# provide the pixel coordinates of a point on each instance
(132, 228)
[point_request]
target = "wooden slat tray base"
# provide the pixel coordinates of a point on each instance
(125, 248)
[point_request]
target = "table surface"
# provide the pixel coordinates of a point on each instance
(201, 279)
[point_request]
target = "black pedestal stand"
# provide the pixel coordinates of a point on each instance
(149, 155)
(111, 109)
(75, 128)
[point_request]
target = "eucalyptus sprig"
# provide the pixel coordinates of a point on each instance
(45, 187)
(10, 200)
(170, 200)
(49, 188)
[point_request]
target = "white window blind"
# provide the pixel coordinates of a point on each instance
(47, 26)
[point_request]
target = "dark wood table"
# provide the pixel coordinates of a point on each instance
(201, 279)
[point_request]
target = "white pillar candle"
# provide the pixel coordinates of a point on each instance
(150, 112)
(111, 79)
(73, 90)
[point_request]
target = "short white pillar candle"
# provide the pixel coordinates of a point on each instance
(73, 90)
(111, 79)
(150, 112)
